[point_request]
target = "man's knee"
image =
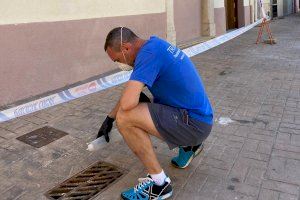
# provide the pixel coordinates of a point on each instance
(132, 118)
(122, 119)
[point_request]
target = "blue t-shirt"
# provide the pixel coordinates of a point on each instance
(172, 78)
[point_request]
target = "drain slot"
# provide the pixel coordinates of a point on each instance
(87, 183)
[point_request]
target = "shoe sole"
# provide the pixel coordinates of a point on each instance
(166, 196)
(190, 160)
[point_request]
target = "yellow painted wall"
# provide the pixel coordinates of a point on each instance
(219, 3)
(27, 11)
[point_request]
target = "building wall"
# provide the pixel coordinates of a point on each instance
(16, 11)
(51, 44)
(247, 13)
(187, 19)
(280, 8)
(297, 5)
(241, 13)
(288, 7)
(252, 10)
(220, 16)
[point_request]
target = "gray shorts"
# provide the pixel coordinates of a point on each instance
(173, 126)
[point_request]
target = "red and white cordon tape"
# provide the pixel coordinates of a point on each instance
(108, 81)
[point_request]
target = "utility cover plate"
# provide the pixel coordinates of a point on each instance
(42, 136)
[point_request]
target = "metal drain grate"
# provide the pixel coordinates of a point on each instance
(42, 136)
(87, 183)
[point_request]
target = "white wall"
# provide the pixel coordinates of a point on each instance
(219, 3)
(280, 8)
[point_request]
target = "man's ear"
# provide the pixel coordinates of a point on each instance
(126, 46)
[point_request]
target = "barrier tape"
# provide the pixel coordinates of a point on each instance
(106, 82)
(65, 96)
(202, 47)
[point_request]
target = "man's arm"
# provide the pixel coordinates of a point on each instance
(131, 95)
(131, 92)
(114, 111)
(142, 98)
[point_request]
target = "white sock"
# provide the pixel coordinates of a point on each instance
(159, 179)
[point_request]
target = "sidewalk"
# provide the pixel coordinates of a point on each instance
(255, 157)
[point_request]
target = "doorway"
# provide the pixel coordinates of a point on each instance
(231, 14)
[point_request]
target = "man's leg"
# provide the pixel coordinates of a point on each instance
(135, 126)
(186, 155)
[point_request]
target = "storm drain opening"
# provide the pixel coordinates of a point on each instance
(42, 136)
(88, 183)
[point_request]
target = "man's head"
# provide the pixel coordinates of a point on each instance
(121, 45)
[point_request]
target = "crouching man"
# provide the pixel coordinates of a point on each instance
(181, 114)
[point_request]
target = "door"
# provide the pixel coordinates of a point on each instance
(231, 14)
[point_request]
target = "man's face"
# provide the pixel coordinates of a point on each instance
(115, 56)
(122, 56)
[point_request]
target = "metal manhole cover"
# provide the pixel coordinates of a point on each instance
(87, 183)
(42, 136)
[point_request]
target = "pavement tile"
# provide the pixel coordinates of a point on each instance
(255, 176)
(261, 137)
(286, 154)
(281, 187)
(264, 148)
(35, 120)
(284, 196)
(283, 138)
(13, 192)
(248, 190)
(284, 170)
(287, 147)
(268, 195)
(251, 145)
(255, 155)
(6, 134)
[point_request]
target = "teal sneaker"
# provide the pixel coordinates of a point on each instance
(186, 155)
(148, 190)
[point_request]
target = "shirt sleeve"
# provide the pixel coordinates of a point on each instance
(146, 68)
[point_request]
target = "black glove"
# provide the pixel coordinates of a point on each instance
(106, 128)
(144, 98)
(108, 122)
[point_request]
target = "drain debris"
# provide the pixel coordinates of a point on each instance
(225, 121)
(42, 136)
(87, 183)
(231, 187)
(236, 180)
(254, 121)
(226, 71)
